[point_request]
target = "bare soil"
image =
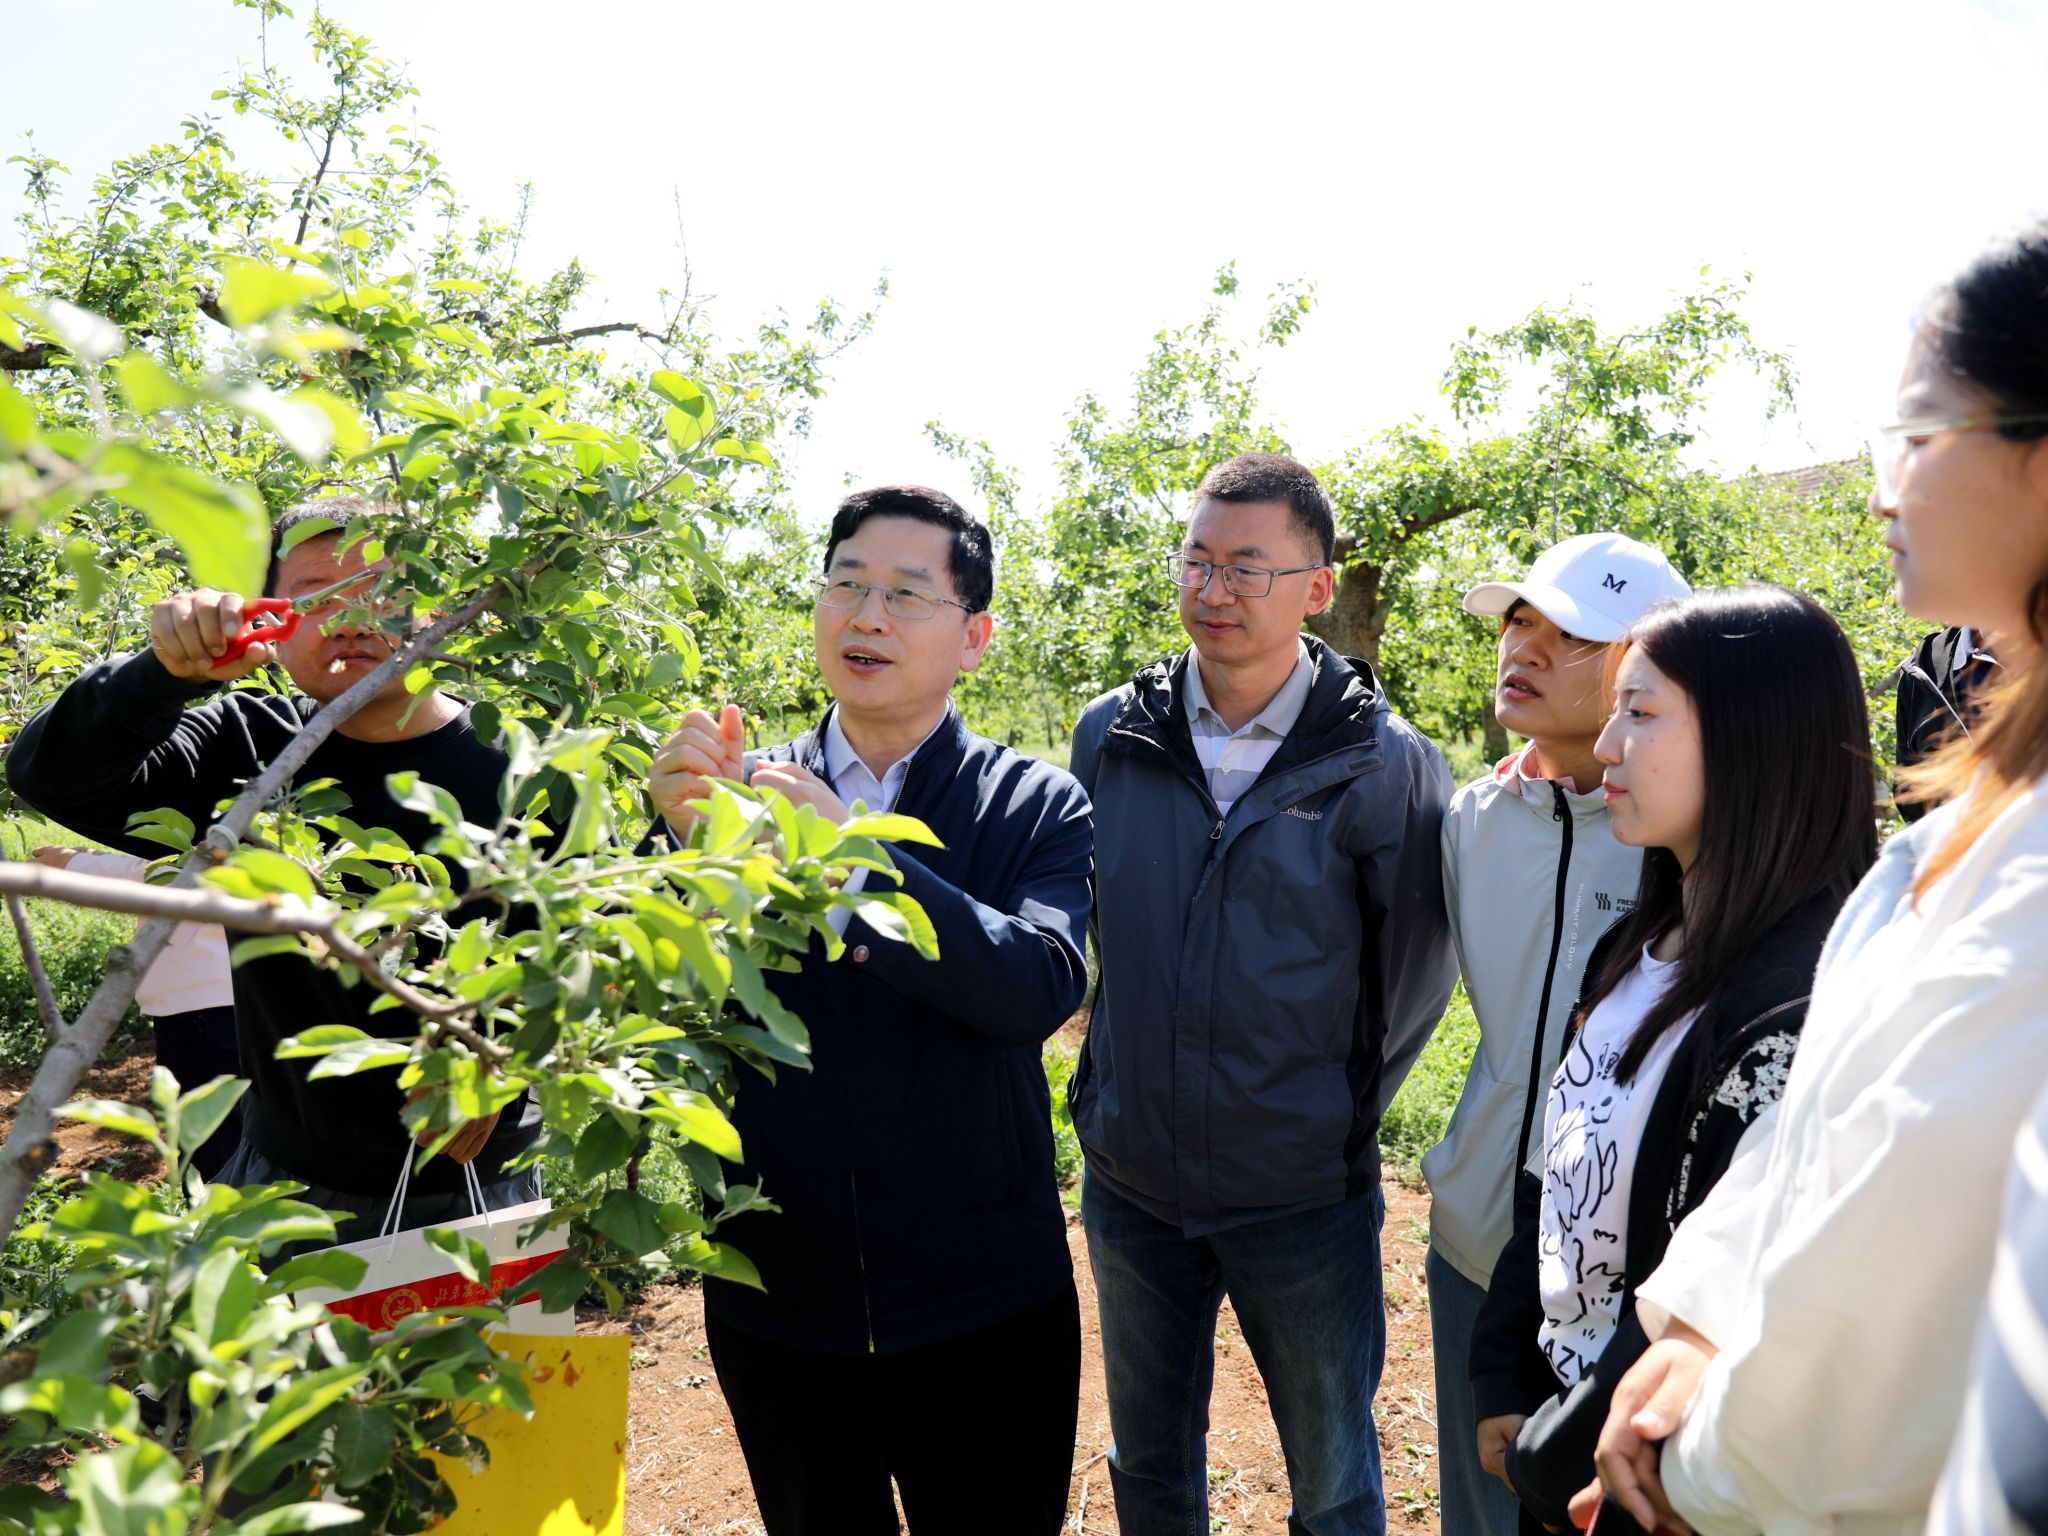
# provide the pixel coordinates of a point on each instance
(685, 1475)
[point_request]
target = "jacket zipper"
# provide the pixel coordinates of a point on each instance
(1559, 812)
(860, 1258)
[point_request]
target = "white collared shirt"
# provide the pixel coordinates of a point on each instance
(1233, 760)
(852, 780)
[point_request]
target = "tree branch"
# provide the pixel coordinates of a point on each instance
(44, 354)
(46, 995)
(326, 154)
(567, 338)
(26, 1152)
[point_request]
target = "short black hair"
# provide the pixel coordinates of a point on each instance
(338, 510)
(971, 560)
(1276, 477)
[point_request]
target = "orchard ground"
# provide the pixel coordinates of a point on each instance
(685, 1475)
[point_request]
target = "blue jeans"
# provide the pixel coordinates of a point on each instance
(1307, 1293)
(1474, 1500)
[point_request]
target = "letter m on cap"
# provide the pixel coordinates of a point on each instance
(1613, 581)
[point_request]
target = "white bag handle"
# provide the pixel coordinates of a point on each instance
(390, 1226)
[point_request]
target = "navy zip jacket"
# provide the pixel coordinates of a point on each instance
(1268, 977)
(914, 1163)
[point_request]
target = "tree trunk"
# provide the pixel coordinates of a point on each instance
(1355, 618)
(1493, 733)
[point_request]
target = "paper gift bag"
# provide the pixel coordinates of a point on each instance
(563, 1471)
(407, 1275)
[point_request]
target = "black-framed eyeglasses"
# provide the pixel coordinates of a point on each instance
(1888, 444)
(1238, 580)
(902, 602)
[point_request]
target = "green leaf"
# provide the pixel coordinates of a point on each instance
(17, 418)
(272, 871)
(76, 1402)
(363, 1056)
(308, 1515)
(318, 1041)
(685, 431)
(256, 948)
(720, 1259)
(469, 948)
(679, 391)
(223, 1292)
(632, 1221)
(76, 1345)
(110, 1115)
(326, 1269)
(88, 571)
(147, 386)
(590, 824)
(200, 1112)
(603, 1145)
(900, 917)
(751, 988)
(135, 1489)
(751, 453)
(222, 530)
(695, 1116)
(252, 292)
(430, 800)
(472, 1260)
(889, 827)
(298, 533)
(363, 1440)
(298, 1401)
(173, 829)
(559, 1285)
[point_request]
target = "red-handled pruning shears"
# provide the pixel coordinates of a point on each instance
(283, 615)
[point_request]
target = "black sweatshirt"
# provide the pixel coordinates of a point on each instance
(127, 737)
(1730, 1066)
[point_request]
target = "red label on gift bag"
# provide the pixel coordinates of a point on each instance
(382, 1309)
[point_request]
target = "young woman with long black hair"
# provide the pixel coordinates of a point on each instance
(1814, 1317)
(1738, 756)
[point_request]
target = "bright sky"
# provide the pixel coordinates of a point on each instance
(1046, 186)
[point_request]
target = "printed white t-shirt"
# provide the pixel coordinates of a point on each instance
(1592, 1127)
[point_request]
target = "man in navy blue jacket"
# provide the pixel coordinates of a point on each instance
(919, 1321)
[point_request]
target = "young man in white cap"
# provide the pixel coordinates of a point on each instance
(1532, 877)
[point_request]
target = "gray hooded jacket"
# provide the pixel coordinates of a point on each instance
(1267, 978)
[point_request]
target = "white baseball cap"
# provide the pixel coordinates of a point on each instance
(1593, 585)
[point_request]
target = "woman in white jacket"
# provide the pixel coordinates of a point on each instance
(1816, 1314)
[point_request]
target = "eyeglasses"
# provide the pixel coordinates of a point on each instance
(1238, 580)
(902, 602)
(1888, 445)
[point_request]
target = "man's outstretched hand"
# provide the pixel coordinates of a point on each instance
(187, 631)
(702, 749)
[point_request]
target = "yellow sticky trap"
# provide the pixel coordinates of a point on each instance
(563, 1471)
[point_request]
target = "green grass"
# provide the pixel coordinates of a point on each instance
(1416, 1119)
(73, 944)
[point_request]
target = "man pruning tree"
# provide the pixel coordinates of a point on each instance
(157, 730)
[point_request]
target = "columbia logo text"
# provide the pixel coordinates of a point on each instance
(1295, 810)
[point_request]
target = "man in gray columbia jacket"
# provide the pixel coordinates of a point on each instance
(1269, 922)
